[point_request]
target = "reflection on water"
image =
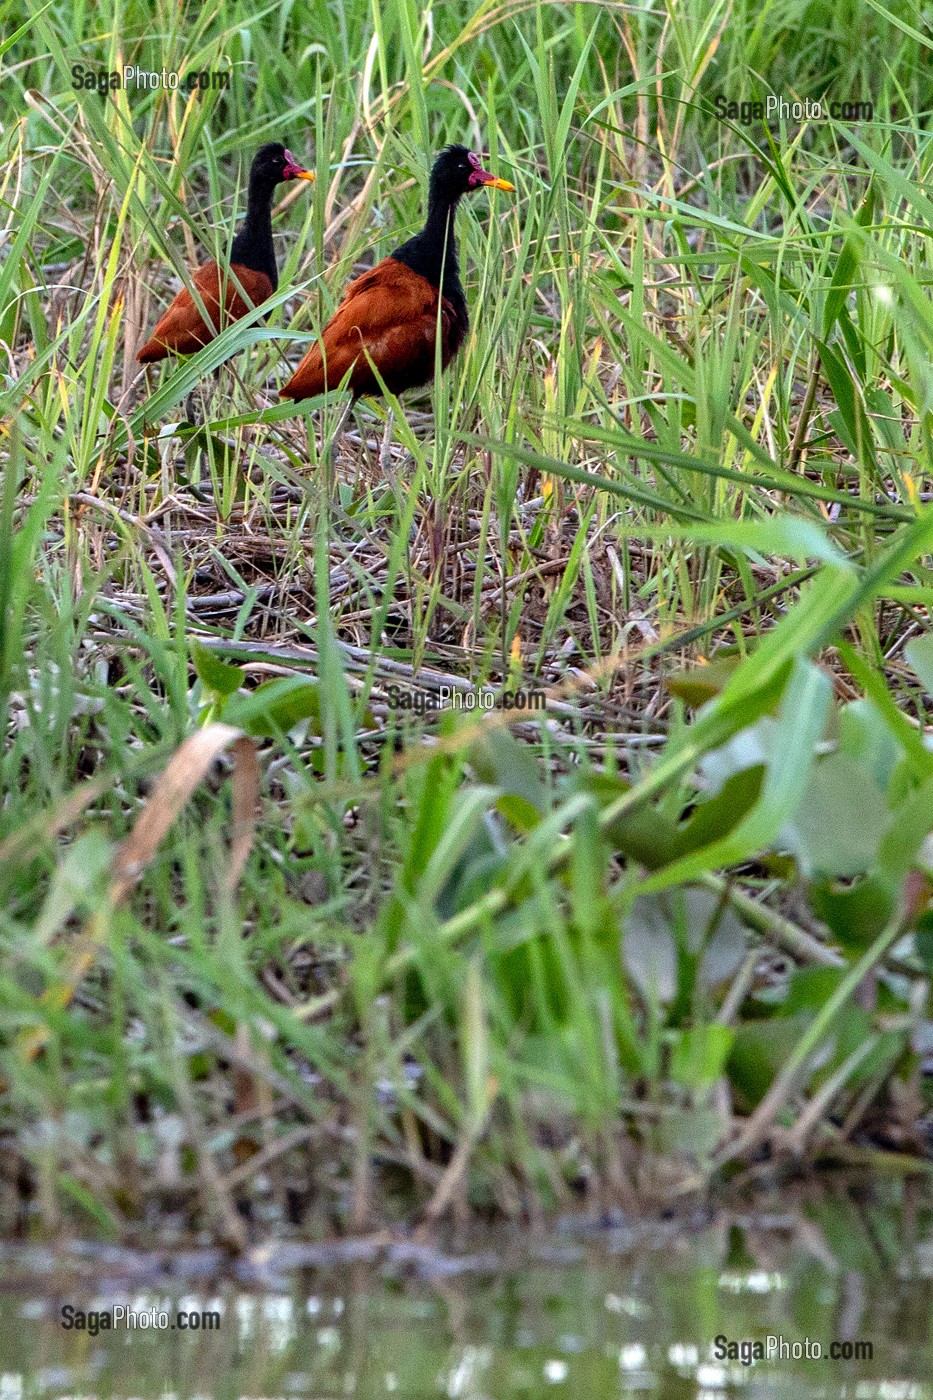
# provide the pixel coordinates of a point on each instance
(588, 1316)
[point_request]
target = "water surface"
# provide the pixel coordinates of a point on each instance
(594, 1313)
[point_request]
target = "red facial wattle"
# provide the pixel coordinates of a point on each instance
(478, 176)
(294, 171)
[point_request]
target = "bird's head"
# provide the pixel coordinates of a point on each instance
(457, 172)
(273, 164)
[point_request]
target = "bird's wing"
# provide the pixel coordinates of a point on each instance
(182, 329)
(387, 316)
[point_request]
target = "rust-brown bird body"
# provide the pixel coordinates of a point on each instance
(387, 324)
(388, 318)
(228, 293)
(182, 329)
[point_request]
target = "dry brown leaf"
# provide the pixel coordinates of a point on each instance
(62, 815)
(184, 771)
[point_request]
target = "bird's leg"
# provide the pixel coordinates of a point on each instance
(359, 438)
(198, 411)
(194, 407)
(330, 449)
(437, 529)
(386, 464)
(385, 449)
(196, 403)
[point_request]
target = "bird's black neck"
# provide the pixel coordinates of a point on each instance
(253, 246)
(433, 251)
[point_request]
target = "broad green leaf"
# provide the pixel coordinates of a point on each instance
(800, 725)
(715, 816)
(867, 740)
(779, 534)
(500, 760)
(697, 684)
(911, 824)
(79, 874)
(653, 839)
(643, 834)
(700, 1053)
(809, 987)
(919, 653)
(649, 951)
(464, 818)
(275, 707)
(856, 915)
(215, 675)
(692, 1132)
(840, 821)
(759, 1050)
(519, 811)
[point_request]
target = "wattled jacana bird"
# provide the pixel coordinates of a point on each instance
(183, 330)
(389, 316)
